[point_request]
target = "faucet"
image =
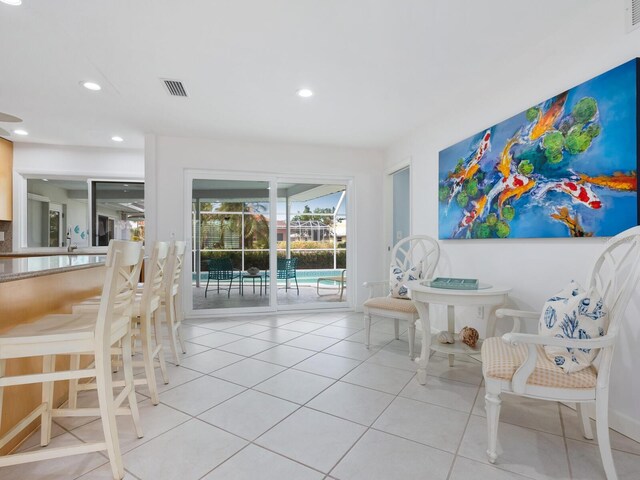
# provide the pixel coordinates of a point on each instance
(70, 248)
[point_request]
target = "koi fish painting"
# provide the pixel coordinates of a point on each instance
(566, 167)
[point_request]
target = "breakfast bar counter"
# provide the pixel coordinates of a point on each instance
(30, 288)
(28, 267)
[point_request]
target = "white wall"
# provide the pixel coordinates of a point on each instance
(167, 158)
(34, 160)
(535, 268)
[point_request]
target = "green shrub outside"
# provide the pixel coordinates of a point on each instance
(306, 259)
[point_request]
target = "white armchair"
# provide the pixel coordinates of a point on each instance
(517, 363)
(410, 251)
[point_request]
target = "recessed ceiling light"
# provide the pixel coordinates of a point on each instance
(304, 93)
(21, 132)
(15, 3)
(117, 139)
(126, 184)
(45, 179)
(91, 86)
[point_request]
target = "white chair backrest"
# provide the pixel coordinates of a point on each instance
(176, 263)
(614, 275)
(123, 264)
(157, 266)
(416, 249)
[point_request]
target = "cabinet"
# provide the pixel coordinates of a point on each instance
(6, 180)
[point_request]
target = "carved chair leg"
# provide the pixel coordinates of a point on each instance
(367, 330)
(108, 413)
(147, 357)
(585, 421)
(492, 406)
(157, 328)
(127, 367)
(73, 383)
(48, 366)
(602, 428)
(412, 338)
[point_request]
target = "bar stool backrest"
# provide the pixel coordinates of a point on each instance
(176, 262)
(124, 261)
(157, 269)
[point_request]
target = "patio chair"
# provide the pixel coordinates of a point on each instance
(286, 271)
(339, 280)
(415, 256)
(517, 364)
(221, 269)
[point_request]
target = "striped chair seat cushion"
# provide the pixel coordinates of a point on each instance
(501, 360)
(391, 303)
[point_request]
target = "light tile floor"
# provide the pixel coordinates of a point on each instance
(299, 397)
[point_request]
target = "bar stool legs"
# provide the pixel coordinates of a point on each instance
(48, 366)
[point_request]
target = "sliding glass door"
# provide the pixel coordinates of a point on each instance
(230, 228)
(117, 211)
(312, 230)
(262, 245)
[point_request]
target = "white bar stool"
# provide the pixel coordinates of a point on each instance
(172, 298)
(144, 312)
(75, 334)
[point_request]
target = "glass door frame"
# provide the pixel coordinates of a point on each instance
(347, 304)
(273, 179)
(189, 177)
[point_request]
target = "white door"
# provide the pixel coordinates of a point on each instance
(401, 205)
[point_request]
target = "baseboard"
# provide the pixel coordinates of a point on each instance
(627, 426)
(621, 423)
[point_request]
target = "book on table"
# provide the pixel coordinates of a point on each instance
(455, 283)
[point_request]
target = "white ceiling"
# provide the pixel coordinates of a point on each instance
(380, 68)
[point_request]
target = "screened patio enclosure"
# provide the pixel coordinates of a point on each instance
(232, 227)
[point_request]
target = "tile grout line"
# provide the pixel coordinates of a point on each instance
(564, 440)
(464, 431)
(300, 406)
(370, 427)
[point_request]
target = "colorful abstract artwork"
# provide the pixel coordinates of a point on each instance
(566, 167)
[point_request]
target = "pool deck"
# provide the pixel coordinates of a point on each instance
(307, 295)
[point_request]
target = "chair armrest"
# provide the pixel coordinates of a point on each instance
(533, 339)
(517, 315)
(376, 287)
(375, 284)
(519, 379)
(507, 312)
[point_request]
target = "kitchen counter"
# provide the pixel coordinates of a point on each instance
(48, 252)
(26, 267)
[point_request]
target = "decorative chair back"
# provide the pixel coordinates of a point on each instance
(614, 276)
(416, 250)
(155, 274)
(287, 268)
(220, 269)
(124, 261)
(176, 262)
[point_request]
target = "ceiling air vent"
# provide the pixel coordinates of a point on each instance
(175, 88)
(633, 14)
